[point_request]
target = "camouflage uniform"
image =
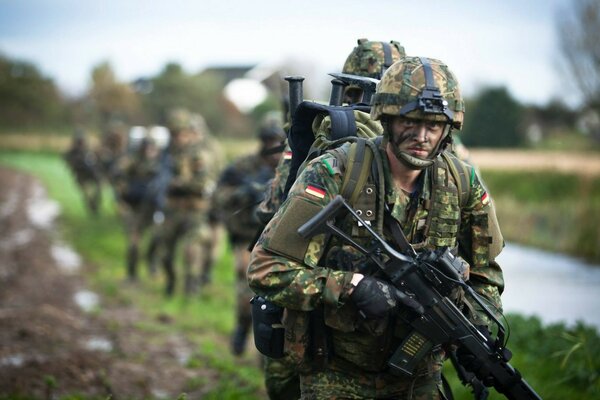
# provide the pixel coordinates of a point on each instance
(84, 165)
(241, 187)
(133, 186)
(194, 169)
(313, 277)
(112, 150)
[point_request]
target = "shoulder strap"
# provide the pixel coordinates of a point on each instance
(358, 169)
(461, 174)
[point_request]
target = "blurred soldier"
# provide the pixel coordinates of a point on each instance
(418, 102)
(370, 59)
(136, 197)
(240, 189)
(113, 148)
(84, 165)
(192, 160)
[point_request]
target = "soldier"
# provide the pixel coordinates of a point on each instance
(193, 160)
(418, 103)
(84, 165)
(136, 198)
(370, 59)
(112, 150)
(241, 187)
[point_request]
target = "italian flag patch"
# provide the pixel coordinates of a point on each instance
(485, 199)
(287, 155)
(315, 191)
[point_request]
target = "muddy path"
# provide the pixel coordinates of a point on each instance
(52, 343)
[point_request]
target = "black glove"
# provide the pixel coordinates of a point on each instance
(472, 364)
(375, 298)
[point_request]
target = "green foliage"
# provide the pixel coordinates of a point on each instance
(174, 87)
(559, 362)
(558, 212)
(493, 119)
(27, 98)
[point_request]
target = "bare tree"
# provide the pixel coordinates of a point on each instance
(579, 38)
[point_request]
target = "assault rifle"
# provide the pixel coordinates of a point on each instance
(430, 277)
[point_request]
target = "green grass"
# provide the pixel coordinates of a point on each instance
(559, 362)
(549, 210)
(207, 319)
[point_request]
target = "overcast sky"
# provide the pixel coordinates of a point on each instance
(509, 42)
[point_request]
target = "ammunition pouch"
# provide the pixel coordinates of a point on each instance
(269, 332)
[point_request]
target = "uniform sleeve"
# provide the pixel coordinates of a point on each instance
(293, 280)
(480, 243)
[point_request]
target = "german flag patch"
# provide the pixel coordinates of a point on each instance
(485, 199)
(315, 191)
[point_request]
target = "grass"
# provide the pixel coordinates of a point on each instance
(207, 320)
(559, 362)
(549, 210)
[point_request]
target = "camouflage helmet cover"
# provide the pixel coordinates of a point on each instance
(180, 118)
(403, 91)
(369, 58)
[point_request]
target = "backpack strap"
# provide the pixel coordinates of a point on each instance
(364, 160)
(357, 172)
(462, 176)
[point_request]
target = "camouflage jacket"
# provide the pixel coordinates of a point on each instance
(195, 170)
(83, 163)
(275, 192)
(303, 275)
(240, 188)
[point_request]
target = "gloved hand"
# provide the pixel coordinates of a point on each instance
(472, 364)
(375, 298)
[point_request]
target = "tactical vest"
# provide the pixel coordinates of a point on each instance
(451, 181)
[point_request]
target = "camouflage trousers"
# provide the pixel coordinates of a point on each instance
(91, 189)
(281, 379)
(191, 230)
(337, 384)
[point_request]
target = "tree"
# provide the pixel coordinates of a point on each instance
(111, 99)
(579, 31)
(173, 87)
(27, 98)
(493, 119)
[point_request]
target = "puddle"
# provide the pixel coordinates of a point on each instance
(86, 300)
(17, 239)
(40, 210)
(160, 394)
(98, 344)
(183, 355)
(10, 205)
(15, 360)
(67, 260)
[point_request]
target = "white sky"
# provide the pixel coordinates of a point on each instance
(509, 42)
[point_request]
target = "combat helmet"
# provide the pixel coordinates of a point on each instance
(421, 88)
(372, 58)
(271, 127)
(181, 118)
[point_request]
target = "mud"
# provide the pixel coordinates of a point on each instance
(52, 342)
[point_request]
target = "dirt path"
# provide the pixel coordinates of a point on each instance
(50, 343)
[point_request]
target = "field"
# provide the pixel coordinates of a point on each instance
(557, 361)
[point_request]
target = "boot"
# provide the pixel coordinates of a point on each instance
(132, 259)
(170, 275)
(238, 340)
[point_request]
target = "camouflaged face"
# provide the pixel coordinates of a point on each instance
(368, 58)
(404, 82)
